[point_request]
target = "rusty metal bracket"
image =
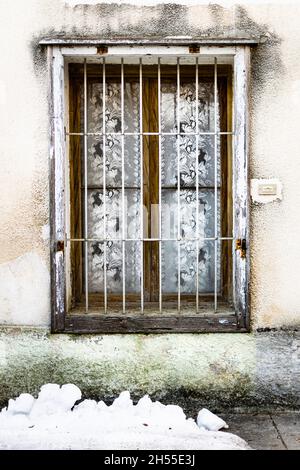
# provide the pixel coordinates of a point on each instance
(194, 49)
(102, 50)
(60, 245)
(241, 245)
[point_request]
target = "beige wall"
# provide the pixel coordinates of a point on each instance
(275, 151)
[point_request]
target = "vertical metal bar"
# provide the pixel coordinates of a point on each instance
(216, 187)
(142, 184)
(159, 182)
(197, 184)
(85, 190)
(178, 180)
(123, 184)
(104, 185)
(233, 251)
(233, 197)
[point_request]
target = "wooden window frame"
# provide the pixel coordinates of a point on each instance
(61, 321)
(150, 184)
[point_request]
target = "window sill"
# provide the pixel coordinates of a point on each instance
(109, 324)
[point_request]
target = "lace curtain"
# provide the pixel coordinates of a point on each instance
(114, 228)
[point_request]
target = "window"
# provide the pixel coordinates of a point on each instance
(152, 203)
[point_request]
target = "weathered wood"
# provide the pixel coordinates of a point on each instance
(143, 324)
(229, 188)
(245, 39)
(115, 324)
(57, 162)
(153, 190)
(146, 189)
(150, 187)
(75, 190)
(225, 106)
(241, 193)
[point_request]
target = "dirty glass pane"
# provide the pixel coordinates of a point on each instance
(206, 220)
(187, 106)
(114, 212)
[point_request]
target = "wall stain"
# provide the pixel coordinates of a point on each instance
(120, 21)
(125, 21)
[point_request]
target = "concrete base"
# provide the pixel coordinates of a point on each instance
(220, 371)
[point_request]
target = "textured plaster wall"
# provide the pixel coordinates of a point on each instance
(275, 120)
(221, 370)
(199, 366)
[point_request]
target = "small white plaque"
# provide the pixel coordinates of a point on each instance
(266, 190)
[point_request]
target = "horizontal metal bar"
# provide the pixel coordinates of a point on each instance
(138, 187)
(110, 187)
(155, 42)
(147, 239)
(137, 134)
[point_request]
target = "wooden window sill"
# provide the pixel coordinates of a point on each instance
(186, 322)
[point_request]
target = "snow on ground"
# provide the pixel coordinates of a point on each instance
(53, 422)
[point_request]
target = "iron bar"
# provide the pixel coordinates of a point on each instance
(147, 133)
(197, 184)
(216, 189)
(179, 239)
(142, 185)
(188, 239)
(123, 187)
(85, 126)
(178, 181)
(159, 182)
(104, 187)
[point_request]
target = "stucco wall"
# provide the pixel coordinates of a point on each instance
(240, 364)
(215, 370)
(275, 120)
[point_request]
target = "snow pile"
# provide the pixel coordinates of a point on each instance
(209, 421)
(53, 422)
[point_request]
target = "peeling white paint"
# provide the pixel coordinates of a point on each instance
(258, 198)
(25, 291)
(73, 3)
(46, 232)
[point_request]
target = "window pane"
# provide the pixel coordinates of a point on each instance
(188, 208)
(187, 106)
(133, 267)
(187, 150)
(94, 161)
(95, 266)
(169, 267)
(131, 106)
(132, 161)
(94, 106)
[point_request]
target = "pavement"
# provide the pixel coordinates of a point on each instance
(266, 431)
